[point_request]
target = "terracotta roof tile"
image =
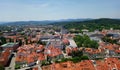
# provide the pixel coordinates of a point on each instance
(30, 59)
(53, 51)
(65, 41)
(113, 63)
(85, 65)
(41, 56)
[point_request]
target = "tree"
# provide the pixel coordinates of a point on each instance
(26, 41)
(84, 41)
(17, 66)
(107, 39)
(20, 42)
(2, 67)
(3, 40)
(76, 53)
(84, 58)
(76, 59)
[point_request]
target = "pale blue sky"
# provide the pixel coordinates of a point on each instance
(20, 10)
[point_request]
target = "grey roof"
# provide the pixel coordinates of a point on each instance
(9, 44)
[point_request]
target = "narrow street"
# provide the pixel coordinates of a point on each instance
(12, 63)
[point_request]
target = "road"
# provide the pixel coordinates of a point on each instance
(72, 43)
(12, 63)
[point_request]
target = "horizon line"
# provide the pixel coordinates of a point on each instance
(54, 19)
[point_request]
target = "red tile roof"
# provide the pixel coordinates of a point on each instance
(41, 56)
(69, 49)
(4, 56)
(41, 47)
(65, 41)
(117, 51)
(101, 65)
(53, 51)
(28, 53)
(84, 65)
(113, 63)
(107, 64)
(30, 59)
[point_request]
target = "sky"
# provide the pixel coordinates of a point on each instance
(26, 10)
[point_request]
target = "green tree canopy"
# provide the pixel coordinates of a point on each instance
(84, 41)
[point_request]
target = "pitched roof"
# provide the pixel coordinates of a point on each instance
(41, 56)
(113, 63)
(65, 41)
(109, 63)
(53, 51)
(84, 65)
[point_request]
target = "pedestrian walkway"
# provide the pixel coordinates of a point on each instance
(12, 64)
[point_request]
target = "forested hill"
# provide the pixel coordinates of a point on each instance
(94, 24)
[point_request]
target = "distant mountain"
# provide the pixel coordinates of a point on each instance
(95, 24)
(28, 23)
(43, 22)
(2, 22)
(66, 21)
(69, 20)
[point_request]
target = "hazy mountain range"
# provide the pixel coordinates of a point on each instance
(45, 21)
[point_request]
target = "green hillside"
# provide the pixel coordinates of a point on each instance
(94, 24)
